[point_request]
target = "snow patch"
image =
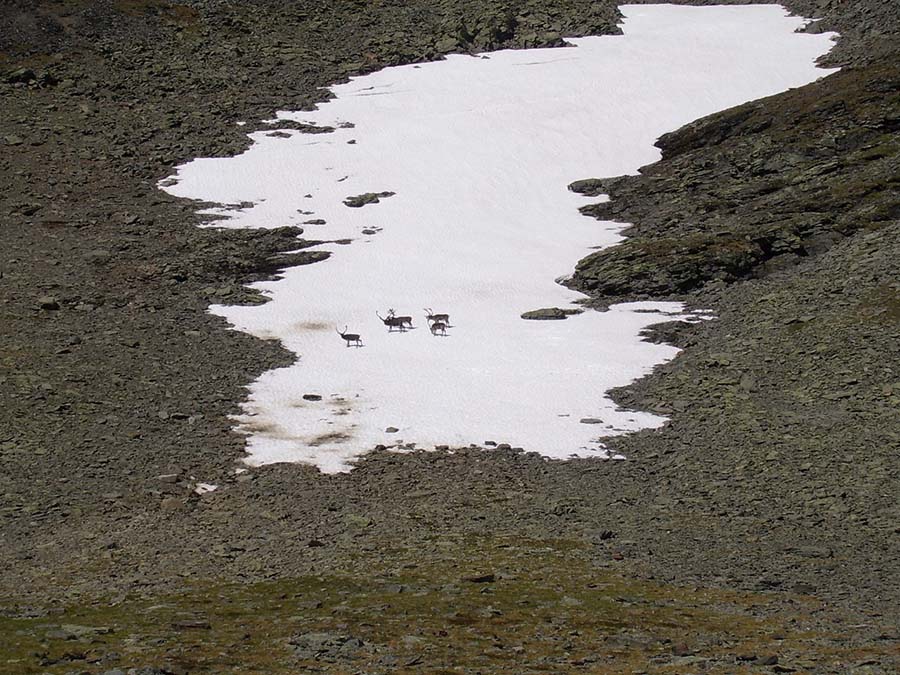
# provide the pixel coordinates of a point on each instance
(478, 153)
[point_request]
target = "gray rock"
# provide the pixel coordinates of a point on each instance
(590, 187)
(191, 624)
(366, 198)
(48, 302)
(550, 314)
(325, 646)
(484, 578)
(21, 76)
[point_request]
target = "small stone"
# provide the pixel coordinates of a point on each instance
(391, 430)
(21, 76)
(447, 44)
(171, 504)
(59, 634)
(814, 27)
(86, 631)
(681, 649)
(98, 256)
(48, 302)
(358, 521)
(191, 624)
(487, 578)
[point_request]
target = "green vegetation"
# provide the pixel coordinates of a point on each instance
(489, 605)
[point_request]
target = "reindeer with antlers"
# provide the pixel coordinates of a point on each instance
(404, 320)
(431, 317)
(350, 337)
(393, 321)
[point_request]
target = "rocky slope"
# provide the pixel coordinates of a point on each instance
(755, 189)
(777, 475)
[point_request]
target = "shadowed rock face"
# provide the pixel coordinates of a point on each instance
(754, 189)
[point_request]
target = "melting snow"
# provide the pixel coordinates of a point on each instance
(478, 152)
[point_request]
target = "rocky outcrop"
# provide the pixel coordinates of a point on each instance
(754, 189)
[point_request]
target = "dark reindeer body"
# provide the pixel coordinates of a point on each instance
(404, 320)
(350, 337)
(392, 322)
(431, 317)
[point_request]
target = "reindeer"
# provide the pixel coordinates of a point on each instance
(430, 316)
(402, 319)
(392, 321)
(350, 337)
(438, 327)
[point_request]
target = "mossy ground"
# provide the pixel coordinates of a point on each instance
(490, 605)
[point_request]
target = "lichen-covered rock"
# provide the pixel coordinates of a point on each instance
(358, 201)
(550, 314)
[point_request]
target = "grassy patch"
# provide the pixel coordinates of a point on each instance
(500, 606)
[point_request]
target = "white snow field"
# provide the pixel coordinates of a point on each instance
(479, 151)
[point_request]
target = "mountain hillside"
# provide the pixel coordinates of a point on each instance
(759, 530)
